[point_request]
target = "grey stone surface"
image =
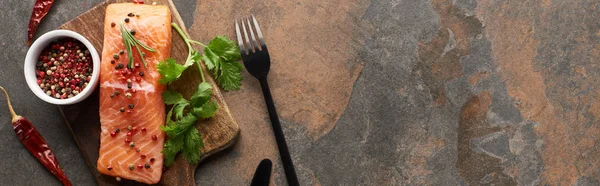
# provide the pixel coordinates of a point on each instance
(453, 92)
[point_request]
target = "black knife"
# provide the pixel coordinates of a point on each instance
(262, 175)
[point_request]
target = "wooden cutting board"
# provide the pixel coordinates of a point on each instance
(83, 119)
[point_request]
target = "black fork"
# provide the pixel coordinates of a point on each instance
(257, 61)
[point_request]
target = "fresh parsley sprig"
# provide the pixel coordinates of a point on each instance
(220, 56)
(130, 41)
(183, 136)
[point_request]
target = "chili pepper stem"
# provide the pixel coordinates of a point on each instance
(15, 117)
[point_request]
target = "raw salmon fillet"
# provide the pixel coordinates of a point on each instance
(144, 110)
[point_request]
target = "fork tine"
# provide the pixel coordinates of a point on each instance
(258, 32)
(250, 48)
(239, 38)
(255, 44)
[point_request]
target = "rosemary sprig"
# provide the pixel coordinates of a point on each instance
(128, 44)
(130, 41)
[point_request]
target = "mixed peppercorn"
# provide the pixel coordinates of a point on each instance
(131, 132)
(127, 74)
(64, 68)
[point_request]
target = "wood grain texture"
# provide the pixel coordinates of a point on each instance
(218, 133)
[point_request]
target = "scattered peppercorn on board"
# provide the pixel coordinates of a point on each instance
(218, 133)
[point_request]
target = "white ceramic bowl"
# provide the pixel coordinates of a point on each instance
(32, 57)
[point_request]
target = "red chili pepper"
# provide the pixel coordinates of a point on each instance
(138, 1)
(40, 9)
(35, 143)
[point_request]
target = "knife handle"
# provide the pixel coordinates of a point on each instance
(262, 175)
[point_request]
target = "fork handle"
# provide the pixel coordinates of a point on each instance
(288, 165)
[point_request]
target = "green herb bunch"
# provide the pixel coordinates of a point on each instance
(220, 57)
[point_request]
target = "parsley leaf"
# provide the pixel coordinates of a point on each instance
(169, 71)
(211, 60)
(207, 110)
(170, 129)
(184, 137)
(192, 145)
(186, 122)
(202, 94)
(172, 97)
(176, 99)
(172, 146)
(231, 76)
(178, 108)
(169, 121)
(221, 57)
(225, 48)
(203, 107)
(180, 126)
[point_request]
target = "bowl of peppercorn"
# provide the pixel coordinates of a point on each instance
(62, 67)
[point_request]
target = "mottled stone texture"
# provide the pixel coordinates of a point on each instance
(387, 92)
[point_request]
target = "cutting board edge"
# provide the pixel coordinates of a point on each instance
(230, 143)
(235, 128)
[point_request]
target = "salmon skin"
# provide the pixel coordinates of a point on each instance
(131, 107)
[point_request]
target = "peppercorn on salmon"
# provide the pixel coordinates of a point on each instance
(131, 106)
